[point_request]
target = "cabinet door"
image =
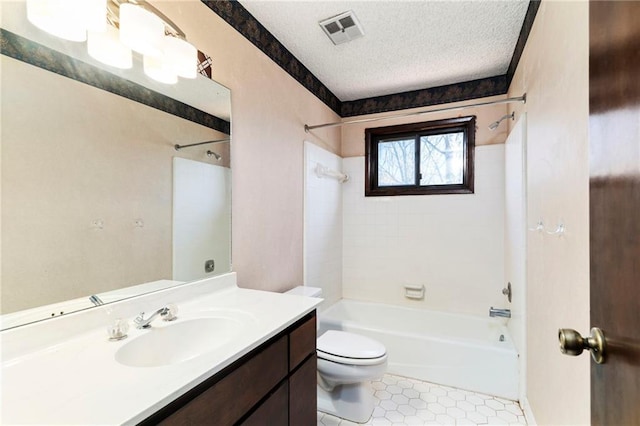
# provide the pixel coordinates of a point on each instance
(303, 399)
(273, 411)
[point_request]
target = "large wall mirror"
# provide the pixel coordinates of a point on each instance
(95, 199)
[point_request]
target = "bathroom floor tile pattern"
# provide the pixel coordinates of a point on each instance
(404, 401)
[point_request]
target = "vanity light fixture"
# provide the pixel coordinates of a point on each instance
(141, 30)
(115, 28)
(106, 47)
(158, 68)
(181, 55)
(67, 19)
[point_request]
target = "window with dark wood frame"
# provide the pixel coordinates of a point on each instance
(432, 157)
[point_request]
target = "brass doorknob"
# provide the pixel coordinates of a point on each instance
(572, 343)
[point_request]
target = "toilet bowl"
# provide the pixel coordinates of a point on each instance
(347, 362)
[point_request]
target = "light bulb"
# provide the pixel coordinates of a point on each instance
(107, 48)
(141, 30)
(67, 19)
(94, 14)
(181, 56)
(158, 69)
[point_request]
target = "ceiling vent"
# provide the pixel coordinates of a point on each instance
(342, 28)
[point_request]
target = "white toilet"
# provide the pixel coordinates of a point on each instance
(347, 362)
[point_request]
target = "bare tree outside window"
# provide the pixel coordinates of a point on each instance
(434, 157)
(441, 159)
(396, 162)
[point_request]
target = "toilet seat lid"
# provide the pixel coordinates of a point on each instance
(349, 345)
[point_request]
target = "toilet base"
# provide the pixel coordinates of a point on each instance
(353, 402)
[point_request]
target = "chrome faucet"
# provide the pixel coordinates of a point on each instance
(96, 300)
(168, 313)
(495, 312)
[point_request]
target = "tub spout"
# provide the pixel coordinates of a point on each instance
(504, 313)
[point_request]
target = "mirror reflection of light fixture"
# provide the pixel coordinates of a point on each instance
(158, 68)
(115, 28)
(106, 47)
(67, 19)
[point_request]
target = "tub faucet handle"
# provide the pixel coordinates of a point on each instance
(507, 291)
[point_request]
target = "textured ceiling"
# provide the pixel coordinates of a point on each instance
(408, 45)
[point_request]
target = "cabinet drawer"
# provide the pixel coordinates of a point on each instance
(233, 396)
(302, 341)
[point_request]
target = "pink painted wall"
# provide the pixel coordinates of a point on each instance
(553, 71)
(269, 110)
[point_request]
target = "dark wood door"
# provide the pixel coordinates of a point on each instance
(614, 121)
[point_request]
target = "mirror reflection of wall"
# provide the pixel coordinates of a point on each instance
(201, 212)
(86, 188)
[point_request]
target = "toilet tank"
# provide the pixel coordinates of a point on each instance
(305, 291)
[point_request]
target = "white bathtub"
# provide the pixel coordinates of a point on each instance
(461, 351)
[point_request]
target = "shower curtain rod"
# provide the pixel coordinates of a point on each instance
(179, 147)
(522, 99)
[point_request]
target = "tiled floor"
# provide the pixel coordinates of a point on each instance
(402, 401)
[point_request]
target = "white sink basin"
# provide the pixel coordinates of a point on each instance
(180, 341)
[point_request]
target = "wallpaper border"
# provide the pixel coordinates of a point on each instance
(249, 27)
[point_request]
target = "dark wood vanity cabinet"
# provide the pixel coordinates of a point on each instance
(274, 385)
(303, 400)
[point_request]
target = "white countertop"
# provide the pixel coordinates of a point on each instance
(75, 379)
(48, 311)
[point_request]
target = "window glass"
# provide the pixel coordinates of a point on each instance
(396, 162)
(432, 157)
(442, 159)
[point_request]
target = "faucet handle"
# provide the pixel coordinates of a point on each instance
(139, 319)
(507, 291)
(170, 313)
(118, 330)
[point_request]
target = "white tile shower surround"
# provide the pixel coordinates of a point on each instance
(452, 244)
(404, 401)
(323, 225)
